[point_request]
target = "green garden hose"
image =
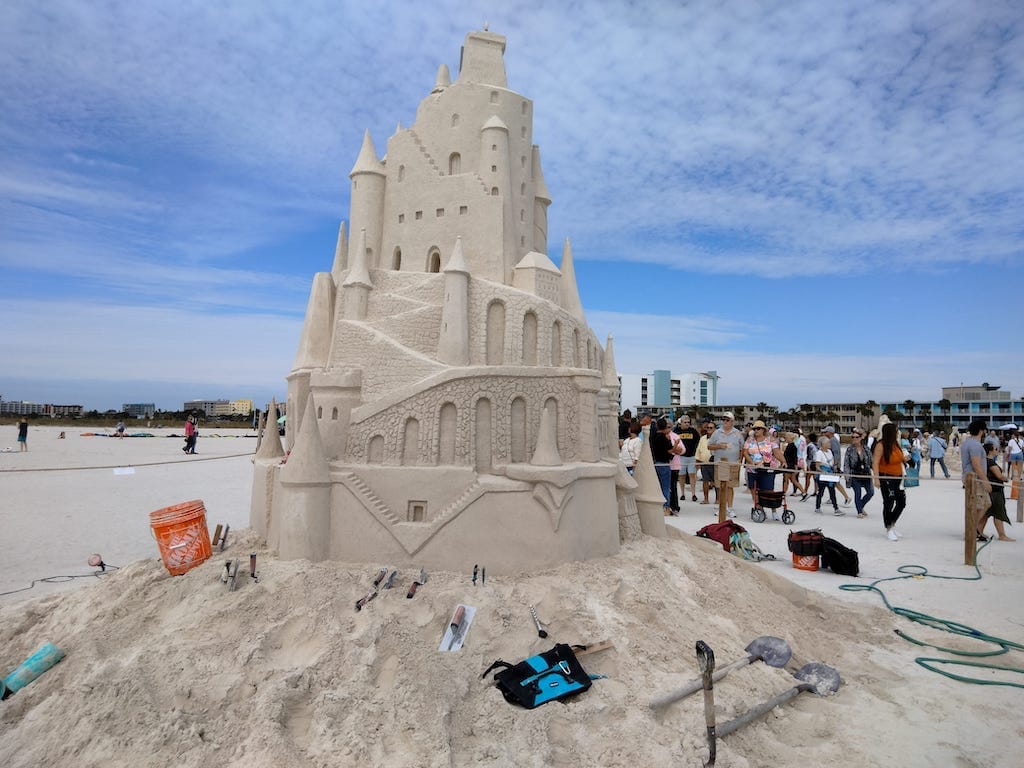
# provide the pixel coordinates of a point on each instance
(946, 625)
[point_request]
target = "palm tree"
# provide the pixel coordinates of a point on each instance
(894, 414)
(945, 405)
(867, 411)
(908, 406)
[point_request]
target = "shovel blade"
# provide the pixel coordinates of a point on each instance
(822, 678)
(773, 651)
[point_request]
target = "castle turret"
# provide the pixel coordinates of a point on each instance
(367, 200)
(610, 383)
(357, 285)
(570, 293)
(495, 170)
(264, 473)
(541, 201)
(305, 530)
(483, 60)
(453, 344)
(340, 254)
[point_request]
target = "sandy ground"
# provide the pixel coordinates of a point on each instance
(177, 671)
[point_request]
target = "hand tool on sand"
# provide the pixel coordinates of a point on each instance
(773, 651)
(541, 633)
(476, 572)
(233, 579)
(706, 663)
(456, 625)
(373, 590)
(252, 567)
(417, 584)
(820, 678)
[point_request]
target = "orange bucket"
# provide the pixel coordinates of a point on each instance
(806, 562)
(182, 536)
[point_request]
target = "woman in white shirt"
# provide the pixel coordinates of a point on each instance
(827, 466)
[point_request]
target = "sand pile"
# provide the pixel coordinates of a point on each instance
(164, 671)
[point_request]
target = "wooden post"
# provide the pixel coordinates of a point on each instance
(1020, 501)
(970, 519)
(722, 485)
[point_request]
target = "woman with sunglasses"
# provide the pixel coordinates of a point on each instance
(761, 454)
(857, 465)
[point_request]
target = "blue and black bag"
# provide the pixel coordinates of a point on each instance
(539, 679)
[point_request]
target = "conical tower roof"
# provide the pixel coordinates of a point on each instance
(610, 377)
(340, 253)
(367, 161)
(307, 463)
(270, 445)
(358, 274)
(570, 292)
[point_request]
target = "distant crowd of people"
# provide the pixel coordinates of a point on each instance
(884, 459)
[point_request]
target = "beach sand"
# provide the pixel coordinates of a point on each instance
(178, 671)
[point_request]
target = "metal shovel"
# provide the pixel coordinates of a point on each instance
(820, 678)
(773, 651)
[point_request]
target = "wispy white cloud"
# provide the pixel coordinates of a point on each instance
(197, 154)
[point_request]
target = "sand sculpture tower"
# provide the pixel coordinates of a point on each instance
(448, 402)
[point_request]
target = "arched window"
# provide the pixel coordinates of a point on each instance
(434, 260)
(496, 333)
(396, 259)
(556, 344)
(454, 163)
(401, 173)
(455, 120)
(494, 191)
(334, 414)
(529, 339)
(319, 411)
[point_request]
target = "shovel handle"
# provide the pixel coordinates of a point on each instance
(695, 685)
(762, 709)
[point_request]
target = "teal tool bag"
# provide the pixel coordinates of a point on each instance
(539, 679)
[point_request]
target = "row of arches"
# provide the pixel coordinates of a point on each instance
(478, 446)
(581, 356)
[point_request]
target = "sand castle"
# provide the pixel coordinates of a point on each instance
(452, 405)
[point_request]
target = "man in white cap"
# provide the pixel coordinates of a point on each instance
(837, 449)
(725, 443)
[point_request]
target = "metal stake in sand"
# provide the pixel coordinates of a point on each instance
(773, 651)
(540, 630)
(706, 663)
(820, 678)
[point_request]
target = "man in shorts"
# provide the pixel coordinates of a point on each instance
(690, 436)
(725, 444)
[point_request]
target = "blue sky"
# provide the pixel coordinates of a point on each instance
(822, 201)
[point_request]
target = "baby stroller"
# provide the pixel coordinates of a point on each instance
(767, 496)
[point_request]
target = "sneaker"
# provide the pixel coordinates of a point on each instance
(775, 516)
(838, 512)
(817, 510)
(694, 497)
(804, 497)
(846, 502)
(731, 513)
(892, 535)
(862, 514)
(898, 534)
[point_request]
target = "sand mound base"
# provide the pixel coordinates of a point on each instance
(164, 671)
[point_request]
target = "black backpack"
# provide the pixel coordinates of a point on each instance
(840, 558)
